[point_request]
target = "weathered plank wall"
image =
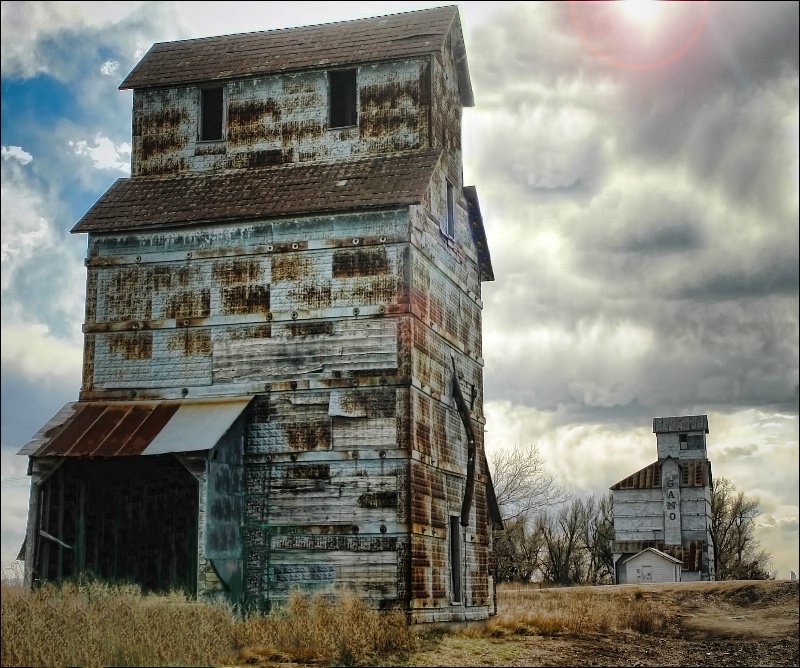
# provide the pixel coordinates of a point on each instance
(283, 118)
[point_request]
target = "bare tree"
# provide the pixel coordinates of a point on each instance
(564, 559)
(517, 551)
(737, 552)
(598, 534)
(521, 484)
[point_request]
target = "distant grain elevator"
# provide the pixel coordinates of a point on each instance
(662, 513)
(283, 376)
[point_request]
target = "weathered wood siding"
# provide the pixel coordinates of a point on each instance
(283, 118)
(668, 444)
(446, 113)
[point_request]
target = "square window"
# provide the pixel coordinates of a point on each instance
(211, 114)
(343, 99)
(683, 438)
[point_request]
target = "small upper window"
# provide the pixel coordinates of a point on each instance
(695, 442)
(683, 439)
(450, 222)
(343, 109)
(211, 114)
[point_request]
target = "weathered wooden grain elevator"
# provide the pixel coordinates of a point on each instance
(282, 381)
(662, 513)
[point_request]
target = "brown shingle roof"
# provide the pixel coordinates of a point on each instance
(146, 202)
(317, 46)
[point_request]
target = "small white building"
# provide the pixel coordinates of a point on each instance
(650, 565)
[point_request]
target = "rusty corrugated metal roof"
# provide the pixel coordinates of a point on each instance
(694, 473)
(126, 428)
(319, 46)
(646, 478)
(291, 189)
(680, 423)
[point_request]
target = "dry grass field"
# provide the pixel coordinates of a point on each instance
(735, 623)
(687, 624)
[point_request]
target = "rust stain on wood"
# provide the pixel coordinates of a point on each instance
(324, 327)
(360, 262)
(291, 267)
(251, 332)
(308, 472)
(188, 304)
(378, 500)
(190, 342)
(252, 120)
(244, 299)
(307, 435)
(311, 295)
(132, 346)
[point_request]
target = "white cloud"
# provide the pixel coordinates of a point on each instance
(16, 153)
(105, 154)
(110, 68)
(31, 351)
(25, 24)
(16, 490)
(25, 228)
(42, 276)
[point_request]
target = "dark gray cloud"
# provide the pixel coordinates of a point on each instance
(644, 231)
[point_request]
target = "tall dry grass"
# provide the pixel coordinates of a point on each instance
(91, 624)
(533, 611)
(87, 623)
(343, 631)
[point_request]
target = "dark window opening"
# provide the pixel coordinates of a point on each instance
(455, 558)
(683, 438)
(695, 442)
(450, 223)
(211, 107)
(343, 110)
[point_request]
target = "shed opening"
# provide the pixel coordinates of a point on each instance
(124, 519)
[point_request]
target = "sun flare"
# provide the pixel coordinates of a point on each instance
(644, 13)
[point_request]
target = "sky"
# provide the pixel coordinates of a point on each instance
(637, 168)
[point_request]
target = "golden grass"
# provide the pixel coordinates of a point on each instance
(534, 611)
(95, 624)
(344, 632)
(91, 623)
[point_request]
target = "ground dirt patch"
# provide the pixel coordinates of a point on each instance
(750, 623)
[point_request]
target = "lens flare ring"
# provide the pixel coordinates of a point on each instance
(645, 16)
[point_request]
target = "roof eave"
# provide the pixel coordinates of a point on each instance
(478, 233)
(149, 227)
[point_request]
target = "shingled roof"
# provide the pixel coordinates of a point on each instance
(309, 47)
(291, 189)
